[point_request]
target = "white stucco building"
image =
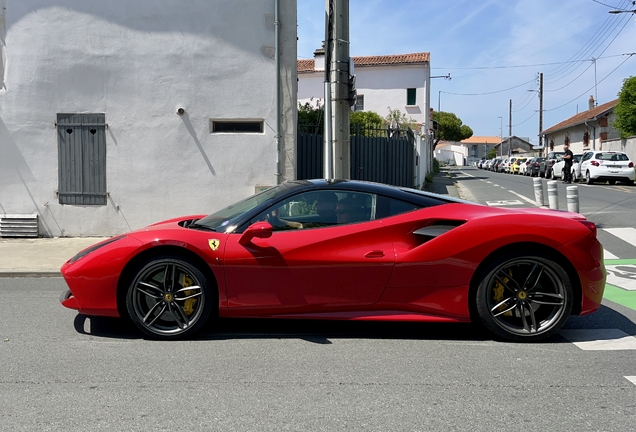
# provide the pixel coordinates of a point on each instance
(584, 131)
(91, 136)
(399, 81)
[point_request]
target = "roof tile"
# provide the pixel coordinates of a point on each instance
(582, 117)
(413, 58)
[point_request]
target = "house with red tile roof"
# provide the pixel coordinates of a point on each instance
(584, 131)
(399, 81)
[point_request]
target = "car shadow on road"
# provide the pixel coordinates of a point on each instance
(324, 331)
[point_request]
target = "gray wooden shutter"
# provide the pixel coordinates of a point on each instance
(82, 159)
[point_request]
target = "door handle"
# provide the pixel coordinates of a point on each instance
(374, 254)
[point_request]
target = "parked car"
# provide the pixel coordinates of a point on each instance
(610, 166)
(534, 167)
(516, 165)
(502, 166)
(546, 164)
(400, 255)
(557, 168)
(495, 165)
(508, 166)
(523, 167)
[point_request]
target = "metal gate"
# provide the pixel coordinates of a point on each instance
(381, 159)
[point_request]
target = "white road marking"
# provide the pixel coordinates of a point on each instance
(626, 234)
(503, 203)
(609, 255)
(533, 202)
(600, 339)
(631, 379)
(622, 276)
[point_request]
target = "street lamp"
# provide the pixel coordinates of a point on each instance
(622, 11)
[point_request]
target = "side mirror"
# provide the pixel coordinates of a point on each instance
(258, 230)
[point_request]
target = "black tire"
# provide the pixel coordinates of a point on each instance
(553, 175)
(169, 297)
(629, 182)
(524, 297)
(588, 179)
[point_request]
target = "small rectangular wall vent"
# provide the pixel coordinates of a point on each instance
(19, 225)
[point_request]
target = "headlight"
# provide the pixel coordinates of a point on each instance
(93, 248)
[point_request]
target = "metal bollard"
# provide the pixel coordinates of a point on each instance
(553, 197)
(572, 194)
(538, 191)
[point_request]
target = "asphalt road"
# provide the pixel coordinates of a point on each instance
(62, 371)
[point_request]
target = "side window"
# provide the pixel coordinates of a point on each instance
(390, 207)
(318, 209)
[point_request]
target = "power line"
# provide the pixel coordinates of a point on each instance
(591, 88)
(492, 92)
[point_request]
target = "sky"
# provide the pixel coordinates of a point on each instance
(494, 51)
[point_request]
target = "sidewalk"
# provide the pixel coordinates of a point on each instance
(43, 257)
(443, 183)
(39, 257)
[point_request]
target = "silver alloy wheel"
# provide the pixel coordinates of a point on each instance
(525, 298)
(588, 179)
(167, 298)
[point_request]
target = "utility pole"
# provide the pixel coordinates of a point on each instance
(337, 99)
(510, 129)
(540, 109)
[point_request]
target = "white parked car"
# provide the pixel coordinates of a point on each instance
(610, 166)
(557, 168)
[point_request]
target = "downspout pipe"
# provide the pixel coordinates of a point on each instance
(279, 102)
(593, 135)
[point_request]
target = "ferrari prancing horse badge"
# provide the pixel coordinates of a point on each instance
(214, 244)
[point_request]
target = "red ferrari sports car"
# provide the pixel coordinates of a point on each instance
(347, 250)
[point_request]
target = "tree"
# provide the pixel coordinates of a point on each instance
(365, 123)
(450, 128)
(492, 153)
(400, 118)
(311, 119)
(625, 110)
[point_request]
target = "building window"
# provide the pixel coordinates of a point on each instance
(81, 143)
(236, 126)
(410, 96)
(359, 106)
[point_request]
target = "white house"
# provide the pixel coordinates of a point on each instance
(584, 131)
(115, 114)
(399, 81)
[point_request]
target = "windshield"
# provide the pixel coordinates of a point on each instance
(223, 220)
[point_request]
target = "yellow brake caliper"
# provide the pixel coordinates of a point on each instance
(498, 294)
(188, 305)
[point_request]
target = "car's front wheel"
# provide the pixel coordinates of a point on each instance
(169, 297)
(524, 297)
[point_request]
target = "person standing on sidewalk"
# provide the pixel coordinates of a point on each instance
(567, 166)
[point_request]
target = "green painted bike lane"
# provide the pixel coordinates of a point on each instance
(622, 290)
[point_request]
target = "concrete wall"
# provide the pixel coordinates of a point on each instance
(137, 62)
(627, 146)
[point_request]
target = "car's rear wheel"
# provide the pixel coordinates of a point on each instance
(588, 179)
(524, 297)
(169, 297)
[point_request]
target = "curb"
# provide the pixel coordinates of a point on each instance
(29, 274)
